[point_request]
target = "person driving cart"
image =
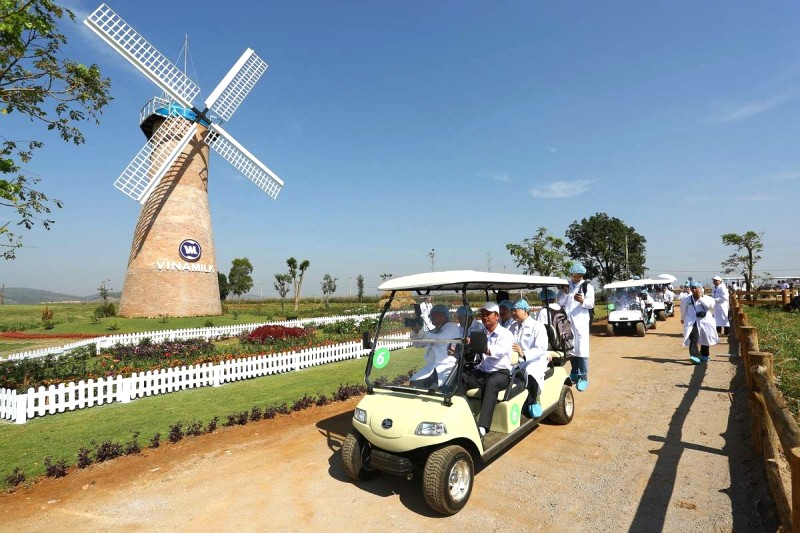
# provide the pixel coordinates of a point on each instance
(493, 372)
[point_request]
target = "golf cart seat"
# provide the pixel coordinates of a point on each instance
(515, 385)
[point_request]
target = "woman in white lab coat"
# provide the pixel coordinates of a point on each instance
(699, 327)
(721, 306)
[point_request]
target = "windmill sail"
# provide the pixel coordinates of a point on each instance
(124, 39)
(236, 85)
(245, 162)
(143, 174)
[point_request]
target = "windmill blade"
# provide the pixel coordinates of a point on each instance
(245, 162)
(145, 172)
(236, 85)
(124, 39)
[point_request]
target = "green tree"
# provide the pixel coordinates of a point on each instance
(224, 290)
(543, 254)
(328, 287)
(103, 290)
(38, 82)
(386, 276)
(296, 272)
(283, 284)
(360, 287)
(239, 279)
(744, 259)
(600, 243)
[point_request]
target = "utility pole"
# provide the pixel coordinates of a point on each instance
(488, 261)
(432, 258)
(3, 294)
(627, 268)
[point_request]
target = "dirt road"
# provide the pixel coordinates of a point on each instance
(656, 444)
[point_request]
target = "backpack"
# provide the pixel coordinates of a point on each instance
(591, 311)
(559, 333)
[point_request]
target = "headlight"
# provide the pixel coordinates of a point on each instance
(360, 415)
(430, 429)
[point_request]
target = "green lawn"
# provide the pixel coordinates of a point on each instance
(779, 334)
(62, 435)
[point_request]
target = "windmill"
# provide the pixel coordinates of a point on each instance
(172, 264)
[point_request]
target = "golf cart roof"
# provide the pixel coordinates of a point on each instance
(469, 280)
(631, 283)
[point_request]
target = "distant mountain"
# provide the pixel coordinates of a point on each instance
(22, 295)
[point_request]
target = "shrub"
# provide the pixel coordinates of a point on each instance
(132, 446)
(108, 309)
(322, 400)
(84, 458)
(163, 319)
(303, 403)
(208, 323)
(269, 334)
(270, 413)
(49, 324)
(175, 432)
(155, 441)
(255, 414)
(194, 428)
(345, 392)
(212, 425)
(106, 451)
(55, 470)
(113, 326)
(16, 477)
(283, 409)
(47, 314)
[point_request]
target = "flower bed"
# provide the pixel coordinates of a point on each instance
(123, 360)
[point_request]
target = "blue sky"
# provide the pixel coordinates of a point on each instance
(401, 127)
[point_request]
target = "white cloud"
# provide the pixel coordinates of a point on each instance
(552, 149)
(503, 178)
(760, 197)
(561, 189)
(751, 109)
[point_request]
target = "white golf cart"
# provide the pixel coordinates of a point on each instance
(428, 427)
(661, 307)
(626, 310)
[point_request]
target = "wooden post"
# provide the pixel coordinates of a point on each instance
(748, 341)
(785, 297)
(762, 359)
(755, 422)
(794, 464)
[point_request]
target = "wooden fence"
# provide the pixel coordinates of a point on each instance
(756, 297)
(776, 435)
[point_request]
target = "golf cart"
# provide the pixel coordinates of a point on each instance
(428, 427)
(626, 310)
(661, 307)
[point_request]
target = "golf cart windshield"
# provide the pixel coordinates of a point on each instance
(420, 345)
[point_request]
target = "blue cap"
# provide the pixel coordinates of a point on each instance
(464, 311)
(506, 303)
(577, 268)
(695, 284)
(521, 304)
(547, 294)
(441, 308)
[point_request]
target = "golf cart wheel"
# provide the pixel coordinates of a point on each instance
(662, 315)
(653, 326)
(447, 480)
(640, 329)
(355, 450)
(609, 330)
(565, 409)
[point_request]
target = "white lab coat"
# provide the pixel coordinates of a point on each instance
(706, 327)
(721, 305)
(531, 336)
(436, 356)
(425, 313)
(578, 314)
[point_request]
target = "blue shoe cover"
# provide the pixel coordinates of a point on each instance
(583, 384)
(573, 376)
(535, 410)
(694, 359)
(704, 358)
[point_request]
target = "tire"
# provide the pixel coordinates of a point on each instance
(654, 324)
(662, 315)
(448, 478)
(354, 449)
(640, 329)
(565, 409)
(609, 330)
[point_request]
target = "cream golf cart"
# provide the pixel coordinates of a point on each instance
(626, 311)
(428, 427)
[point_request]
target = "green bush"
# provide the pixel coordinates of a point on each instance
(108, 309)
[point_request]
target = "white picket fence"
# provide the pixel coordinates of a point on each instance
(70, 396)
(182, 334)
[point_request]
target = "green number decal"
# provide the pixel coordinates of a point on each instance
(381, 358)
(515, 414)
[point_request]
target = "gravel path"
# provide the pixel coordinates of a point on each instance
(656, 445)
